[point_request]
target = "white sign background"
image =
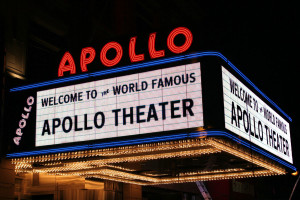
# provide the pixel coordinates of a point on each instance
(106, 101)
(256, 109)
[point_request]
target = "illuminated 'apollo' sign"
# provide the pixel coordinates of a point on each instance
(88, 54)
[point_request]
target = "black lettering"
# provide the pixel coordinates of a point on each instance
(270, 137)
(163, 107)
(131, 87)
(126, 115)
(55, 103)
(88, 94)
(137, 87)
(160, 83)
(66, 98)
(284, 145)
(86, 127)
(188, 107)
(139, 113)
(93, 95)
(46, 128)
(51, 101)
(173, 109)
(76, 124)
(73, 97)
(246, 124)
(192, 77)
(239, 114)
(254, 124)
(55, 124)
(279, 142)
(236, 87)
(67, 130)
(103, 119)
(185, 78)
(260, 131)
(274, 139)
(124, 89)
(153, 83)
(287, 148)
(80, 95)
(177, 80)
(152, 113)
(233, 115)
(117, 89)
(116, 111)
(144, 85)
(247, 99)
(267, 133)
(242, 94)
(232, 86)
(168, 81)
(60, 99)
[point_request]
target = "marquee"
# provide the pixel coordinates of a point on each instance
(154, 101)
(122, 122)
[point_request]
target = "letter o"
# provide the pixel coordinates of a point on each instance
(30, 100)
(116, 60)
(260, 131)
(22, 123)
(177, 80)
(188, 40)
(64, 124)
(96, 120)
(66, 100)
(246, 125)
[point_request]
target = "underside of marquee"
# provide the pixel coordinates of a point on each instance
(189, 160)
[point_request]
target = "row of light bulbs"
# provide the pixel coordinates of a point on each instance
(101, 163)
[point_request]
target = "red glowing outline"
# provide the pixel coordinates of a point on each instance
(133, 57)
(116, 60)
(84, 60)
(151, 46)
(63, 67)
(188, 40)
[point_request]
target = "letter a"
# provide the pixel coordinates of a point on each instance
(63, 67)
(233, 114)
(46, 128)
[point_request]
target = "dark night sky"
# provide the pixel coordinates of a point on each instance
(262, 41)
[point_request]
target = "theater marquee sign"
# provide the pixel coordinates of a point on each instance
(248, 116)
(195, 113)
(154, 101)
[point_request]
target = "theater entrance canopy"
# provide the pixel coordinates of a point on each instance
(183, 118)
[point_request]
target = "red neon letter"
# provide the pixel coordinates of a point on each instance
(188, 40)
(63, 67)
(151, 45)
(116, 60)
(132, 55)
(83, 58)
